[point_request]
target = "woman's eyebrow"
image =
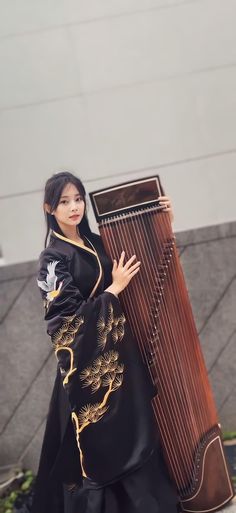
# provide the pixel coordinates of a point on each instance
(78, 194)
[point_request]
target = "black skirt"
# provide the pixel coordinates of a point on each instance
(146, 490)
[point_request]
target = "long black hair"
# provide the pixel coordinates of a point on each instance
(53, 191)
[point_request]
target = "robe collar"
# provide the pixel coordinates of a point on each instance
(85, 248)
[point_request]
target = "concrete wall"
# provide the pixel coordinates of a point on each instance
(28, 366)
(115, 90)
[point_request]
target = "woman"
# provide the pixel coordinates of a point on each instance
(101, 450)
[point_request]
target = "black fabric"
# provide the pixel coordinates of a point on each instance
(148, 489)
(100, 425)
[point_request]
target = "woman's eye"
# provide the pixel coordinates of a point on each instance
(65, 202)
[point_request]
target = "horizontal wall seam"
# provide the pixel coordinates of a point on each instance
(91, 92)
(98, 19)
(17, 278)
(197, 158)
(213, 239)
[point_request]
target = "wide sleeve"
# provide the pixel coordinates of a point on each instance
(61, 297)
(69, 314)
(100, 368)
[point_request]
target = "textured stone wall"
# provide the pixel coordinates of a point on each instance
(208, 259)
(28, 365)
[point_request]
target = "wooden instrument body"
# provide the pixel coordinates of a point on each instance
(158, 310)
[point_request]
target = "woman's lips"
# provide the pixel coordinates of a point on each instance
(74, 217)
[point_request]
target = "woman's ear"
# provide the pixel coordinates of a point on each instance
(47, 209)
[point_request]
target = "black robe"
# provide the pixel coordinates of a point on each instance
(100, 425)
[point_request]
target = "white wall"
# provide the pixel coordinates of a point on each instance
(113, 90)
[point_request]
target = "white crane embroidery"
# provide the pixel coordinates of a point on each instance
(49, 285)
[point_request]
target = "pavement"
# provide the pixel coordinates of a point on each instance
(231, 508)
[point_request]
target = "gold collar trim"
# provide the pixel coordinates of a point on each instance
(93, 252)
(75, 243)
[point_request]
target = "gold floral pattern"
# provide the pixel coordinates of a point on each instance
(72, 369)
(65, 335)
(113, 325)
(90, 414)
(106, 371)
(61, 340)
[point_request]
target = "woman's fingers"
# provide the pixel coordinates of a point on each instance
(134, 272)
(129, 262)
(127, 267)
(122, 274)
(164, 200)
(121, 261)
(133, 267)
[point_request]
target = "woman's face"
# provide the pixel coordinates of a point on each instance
(71, 206)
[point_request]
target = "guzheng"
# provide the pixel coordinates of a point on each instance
(158, 310)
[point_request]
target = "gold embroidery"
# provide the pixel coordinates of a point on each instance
(90, 414)
(65, 335)
(93, 252)
(72, 368)
(115, 325)
(106, 372)
(66, 239)
(76, 421)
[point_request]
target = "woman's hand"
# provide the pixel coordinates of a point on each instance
(122, 274)
(166, 201)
